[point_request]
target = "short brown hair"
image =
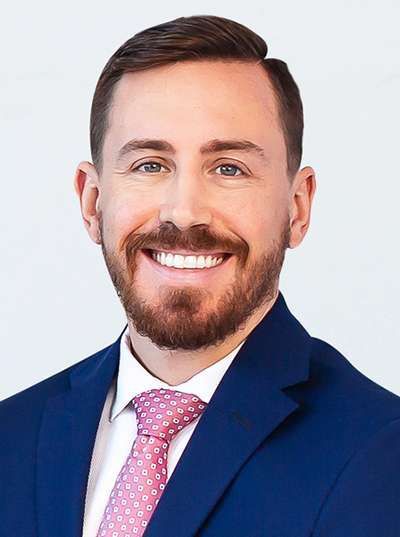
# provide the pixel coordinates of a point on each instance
(199, 37)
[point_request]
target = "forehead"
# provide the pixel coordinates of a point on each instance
(191, 101)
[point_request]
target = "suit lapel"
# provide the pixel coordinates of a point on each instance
(247, 406)
(65, 444)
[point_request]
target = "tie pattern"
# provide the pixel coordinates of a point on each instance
(160, 414)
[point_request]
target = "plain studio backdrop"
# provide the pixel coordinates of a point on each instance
(57, 301)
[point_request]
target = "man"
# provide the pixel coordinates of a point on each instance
(214, 412)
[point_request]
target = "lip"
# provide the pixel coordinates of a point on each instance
(183, 275)
(188, 252)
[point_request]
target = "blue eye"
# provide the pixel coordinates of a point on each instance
(154, 167)
(231, 166)
(149, 163)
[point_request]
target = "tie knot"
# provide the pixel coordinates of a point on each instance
(163, 413)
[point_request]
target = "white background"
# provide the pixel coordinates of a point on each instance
(57, 303)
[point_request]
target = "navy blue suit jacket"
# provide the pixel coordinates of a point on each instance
(295, 442)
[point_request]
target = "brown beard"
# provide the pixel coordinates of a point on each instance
(174, 322)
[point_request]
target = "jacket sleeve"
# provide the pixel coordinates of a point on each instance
(365, 499)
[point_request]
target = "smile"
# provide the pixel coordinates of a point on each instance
(183, 261)
(182, 266)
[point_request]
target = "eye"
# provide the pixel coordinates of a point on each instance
(230, 167)
(153, 166)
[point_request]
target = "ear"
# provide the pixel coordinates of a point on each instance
(87, 187)
(302, 193)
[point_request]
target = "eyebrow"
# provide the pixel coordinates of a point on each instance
(212, 146)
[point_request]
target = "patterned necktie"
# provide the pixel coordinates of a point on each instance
(160, 414)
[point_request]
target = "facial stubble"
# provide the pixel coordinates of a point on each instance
(179, 318)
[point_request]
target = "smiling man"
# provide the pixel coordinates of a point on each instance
(214, 412)
(193, 220)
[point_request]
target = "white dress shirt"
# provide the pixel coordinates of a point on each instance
(117, 428)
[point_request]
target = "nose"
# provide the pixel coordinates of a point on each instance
(185, 202)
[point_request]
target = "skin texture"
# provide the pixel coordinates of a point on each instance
(189, 202)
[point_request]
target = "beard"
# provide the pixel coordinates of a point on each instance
(177, 320)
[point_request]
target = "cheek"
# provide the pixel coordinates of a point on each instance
(123, 216)
(255, 220)
(261, 225)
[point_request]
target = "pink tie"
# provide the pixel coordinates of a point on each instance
(160, 414)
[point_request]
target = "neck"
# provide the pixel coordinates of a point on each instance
(177, 366)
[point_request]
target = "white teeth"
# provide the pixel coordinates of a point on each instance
(168, 259)
(186, 261)
(189, 261)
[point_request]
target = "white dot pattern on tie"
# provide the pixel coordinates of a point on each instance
(160, 414)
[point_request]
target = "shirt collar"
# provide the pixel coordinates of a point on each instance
(133, 378)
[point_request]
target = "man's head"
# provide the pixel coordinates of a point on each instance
(196, 144)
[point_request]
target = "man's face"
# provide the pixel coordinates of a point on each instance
(231, 204)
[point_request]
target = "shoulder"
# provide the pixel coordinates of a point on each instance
(29, 402)
(358, 426)
(334, 377)
(363, 500)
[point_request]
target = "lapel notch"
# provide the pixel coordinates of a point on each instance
(247, 406)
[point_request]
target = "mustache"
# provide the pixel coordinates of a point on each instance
(168, 236)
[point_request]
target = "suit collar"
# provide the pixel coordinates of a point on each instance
(134, 378)
(246, 407)
(66, 441)
(97, 365)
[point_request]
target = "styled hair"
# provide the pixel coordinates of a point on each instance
(196, 38)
